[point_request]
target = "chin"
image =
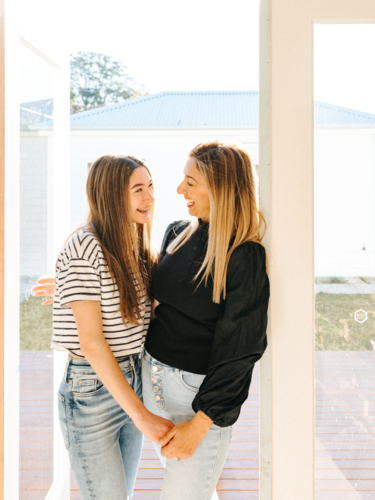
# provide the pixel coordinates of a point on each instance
(192, 212)
(141, 220)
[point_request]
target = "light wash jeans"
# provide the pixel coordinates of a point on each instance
(169, 392)
(103, 443)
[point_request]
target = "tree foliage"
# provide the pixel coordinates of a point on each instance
(98, 80)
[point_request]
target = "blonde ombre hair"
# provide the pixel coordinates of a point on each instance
(235, 216)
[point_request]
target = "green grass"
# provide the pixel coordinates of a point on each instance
(335, 326)
(35, 325)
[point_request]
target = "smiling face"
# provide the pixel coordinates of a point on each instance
(140, 195)
(195, 191)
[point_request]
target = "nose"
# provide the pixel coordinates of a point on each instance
(181, 188)
(150, 197)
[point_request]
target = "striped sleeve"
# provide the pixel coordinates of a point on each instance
(78, 278)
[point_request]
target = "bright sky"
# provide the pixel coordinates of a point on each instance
(214, 45)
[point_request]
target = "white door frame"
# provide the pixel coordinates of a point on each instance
(60, 489)
(287, 198)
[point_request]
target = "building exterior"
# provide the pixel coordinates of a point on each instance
(162, 128)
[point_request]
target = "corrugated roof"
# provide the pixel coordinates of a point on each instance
(172, 109)
(35, 112)
(200, 109)
(329, 114)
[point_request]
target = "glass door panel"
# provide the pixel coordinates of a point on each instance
(344, 270)
(36, 259)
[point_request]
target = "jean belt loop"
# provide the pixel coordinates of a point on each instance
(65, 379)
(132, 364)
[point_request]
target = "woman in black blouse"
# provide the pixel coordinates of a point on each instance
(212, 291)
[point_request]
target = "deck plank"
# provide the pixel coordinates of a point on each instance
(345, 434)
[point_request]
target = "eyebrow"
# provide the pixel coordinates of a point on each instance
(190, 177)
(139, 185)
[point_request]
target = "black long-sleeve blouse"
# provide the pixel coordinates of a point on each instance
(222, 341)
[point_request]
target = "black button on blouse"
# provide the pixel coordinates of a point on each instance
(192, 333)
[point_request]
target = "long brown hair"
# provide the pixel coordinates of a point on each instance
(235, 216)
(126, 245)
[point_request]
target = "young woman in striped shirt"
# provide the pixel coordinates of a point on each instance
(101, 313)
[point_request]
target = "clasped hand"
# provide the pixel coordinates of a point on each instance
(181, 441)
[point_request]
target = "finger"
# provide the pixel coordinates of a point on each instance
(49, 287)
(37, 288)
(167, 452)
(174, 455)
(166, 447)
(47, 302)
(167, 437)
(46, 279)
(170, 448)
(42, 293)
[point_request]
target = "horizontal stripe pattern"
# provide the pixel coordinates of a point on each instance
(82, 274)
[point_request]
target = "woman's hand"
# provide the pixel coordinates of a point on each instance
(47, 289)
(153, 426)
(154, 304)
(184, 439)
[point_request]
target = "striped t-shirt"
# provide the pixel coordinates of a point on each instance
(82, 274)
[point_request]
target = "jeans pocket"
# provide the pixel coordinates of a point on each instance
(191, 381)
(63, 419)
(84, 386)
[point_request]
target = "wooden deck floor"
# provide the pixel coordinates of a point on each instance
(345, 434)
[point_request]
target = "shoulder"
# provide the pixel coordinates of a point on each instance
(247, 271)
(172, 231)
(249, 258)
(248, 251)
(81, 245)
(176, 227)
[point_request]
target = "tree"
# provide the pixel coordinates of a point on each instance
(98, 80)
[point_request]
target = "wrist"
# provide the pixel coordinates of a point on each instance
(202, 421)
(139, 414)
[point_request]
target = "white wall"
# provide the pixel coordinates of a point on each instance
(34, 153)
(345, 202)
(344, 189)
(164, 152)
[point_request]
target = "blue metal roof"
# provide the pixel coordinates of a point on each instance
(329, 114)
(173, 109)
(200, 109)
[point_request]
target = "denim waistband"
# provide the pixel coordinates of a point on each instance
(155, 361)
(80, 365)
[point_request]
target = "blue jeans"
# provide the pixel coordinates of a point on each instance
(169, 392)
(103, 443)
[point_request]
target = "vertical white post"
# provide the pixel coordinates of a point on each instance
(286, 138)
(12, 255)
(265, 418)
(60, 489)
